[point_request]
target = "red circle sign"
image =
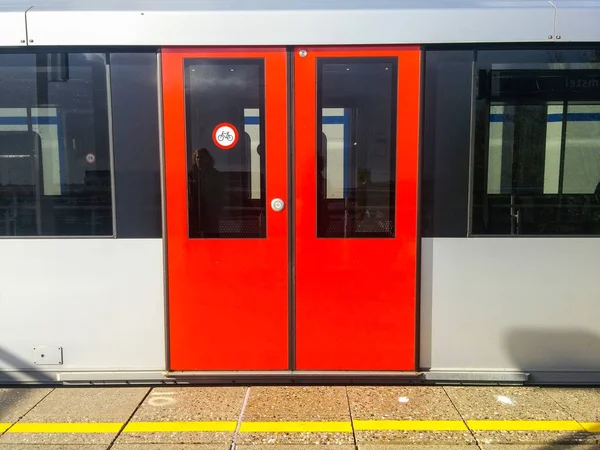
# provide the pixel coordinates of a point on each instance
(225, 136)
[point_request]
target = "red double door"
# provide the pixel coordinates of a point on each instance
(291, 206)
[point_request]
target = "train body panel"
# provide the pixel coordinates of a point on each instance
(221, 191)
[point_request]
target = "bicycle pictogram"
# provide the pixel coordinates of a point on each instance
(225, 135)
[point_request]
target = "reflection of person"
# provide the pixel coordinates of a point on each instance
(263, 167)
(205, 195)
(363, 180)
(322, 201)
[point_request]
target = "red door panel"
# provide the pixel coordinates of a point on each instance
(356, 161)
(225, 160)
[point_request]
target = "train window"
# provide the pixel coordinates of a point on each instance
(537, 158)
(225, 148)
(55, 169)
(581, 166)
(356, 147)
(134, 105)
(446, 143)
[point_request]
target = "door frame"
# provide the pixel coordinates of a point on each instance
(394, 348)
(242, 346)
(290, 85)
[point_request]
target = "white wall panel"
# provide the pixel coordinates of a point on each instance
(523, 304)
(102, 300)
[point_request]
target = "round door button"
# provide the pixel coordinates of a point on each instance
(277, 204)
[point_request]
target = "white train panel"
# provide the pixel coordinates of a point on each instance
(295, 22)
(577, 20)
(100, 300)
(525, 304)
(13, 30)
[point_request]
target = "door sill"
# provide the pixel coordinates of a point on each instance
(297, 376)
(348, 377)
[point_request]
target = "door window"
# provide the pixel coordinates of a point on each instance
(356, 147)
(225, 148)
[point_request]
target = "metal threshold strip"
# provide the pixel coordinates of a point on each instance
(277, 377)
(347, 377)
(295, 376)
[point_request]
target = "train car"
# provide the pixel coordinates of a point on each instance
(299, 191)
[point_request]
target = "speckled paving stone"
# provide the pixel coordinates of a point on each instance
(542, 438)
(514, 403)
(87, 405)
(164, 438)
(193, 404)
(170, 447)
(539, 447)
(416, 447)
(15, 403)
(83, 405)
(59, 440)
(401, 403)
(405, 403)
(416, 438)
(505, 403)
(53, 447)
(294, 447)
(582, 404)
(297, 404)
(279, 439)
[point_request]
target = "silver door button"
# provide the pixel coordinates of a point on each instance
(277, 204)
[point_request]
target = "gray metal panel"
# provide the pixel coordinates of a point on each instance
(577, 20)
(479, 377)
(13, 32)
(290, 22)
(101, 300)
(525, 304)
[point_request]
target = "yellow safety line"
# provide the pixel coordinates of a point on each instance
(410, 425)
(23, 427)
(524, 425)
(169, 427)
(306, 427)
(591, 427)
(296, 427)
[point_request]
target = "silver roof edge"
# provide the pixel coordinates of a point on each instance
(577, 20)
(288, 22)
(13, 30)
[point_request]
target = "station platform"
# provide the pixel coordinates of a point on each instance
(299, 417)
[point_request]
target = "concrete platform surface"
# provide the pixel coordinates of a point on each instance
(296, 418)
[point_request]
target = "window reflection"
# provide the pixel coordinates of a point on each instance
(537, 160)
(356, 147)
(226, 178)
(55, 177)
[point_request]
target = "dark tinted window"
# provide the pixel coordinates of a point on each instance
(356, 147)
(537, 152)
(226, 151)
(136, 144)
(446, 143)
(55, 167)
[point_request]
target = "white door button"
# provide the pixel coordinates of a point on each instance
(277, 204)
